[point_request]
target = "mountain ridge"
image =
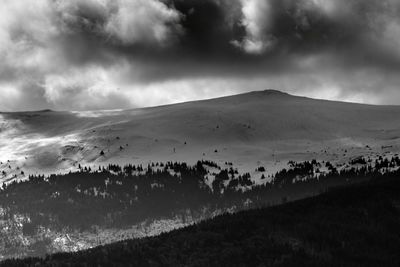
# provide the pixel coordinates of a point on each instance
(257, 93)
(261, 127)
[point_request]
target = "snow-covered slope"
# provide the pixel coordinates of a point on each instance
(265, 128)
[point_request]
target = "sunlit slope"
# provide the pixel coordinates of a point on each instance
(248, 127)
(267, 115)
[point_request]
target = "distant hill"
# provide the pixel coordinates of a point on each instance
(352, 226)
(271, 115)
(257, 128)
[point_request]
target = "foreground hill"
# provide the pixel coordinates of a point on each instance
(260, 128)
(353, 226)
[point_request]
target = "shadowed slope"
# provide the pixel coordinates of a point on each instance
(354, 226)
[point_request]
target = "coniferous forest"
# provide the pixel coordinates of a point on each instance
(354, 225)
(115, 197)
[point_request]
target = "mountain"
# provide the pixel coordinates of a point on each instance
(263, 128)
(350, 226)
(75, 180)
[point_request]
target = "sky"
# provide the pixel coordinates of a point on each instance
(117, 54)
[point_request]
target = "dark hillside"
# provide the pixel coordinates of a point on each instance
(356, 225)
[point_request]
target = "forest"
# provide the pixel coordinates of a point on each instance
(117, 197)
(353, 225)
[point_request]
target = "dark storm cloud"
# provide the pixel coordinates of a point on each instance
(293, 30)
(172, 50)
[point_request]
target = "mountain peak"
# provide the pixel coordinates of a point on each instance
(269, 93)
(273, 92)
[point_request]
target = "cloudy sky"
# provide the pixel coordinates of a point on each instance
(107, 54)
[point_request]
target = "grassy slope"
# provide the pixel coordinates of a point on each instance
(353, 226)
